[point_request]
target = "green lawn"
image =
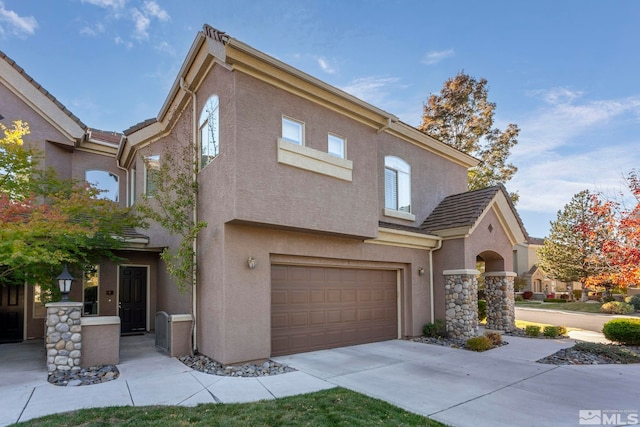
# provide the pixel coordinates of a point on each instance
(568, 306)
(334, 407)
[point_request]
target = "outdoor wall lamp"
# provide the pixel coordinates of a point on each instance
(421, 271)
(64, 283)
(251, 262)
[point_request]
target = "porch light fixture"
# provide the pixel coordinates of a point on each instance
(251, 262)
(64, 283)
(421, 271)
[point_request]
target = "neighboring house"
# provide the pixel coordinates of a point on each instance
(329, 221)
(526, 266)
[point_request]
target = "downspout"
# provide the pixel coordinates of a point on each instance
(194, 177)
(431, 296)
(126, 171)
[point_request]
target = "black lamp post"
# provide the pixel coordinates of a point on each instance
(64, 283)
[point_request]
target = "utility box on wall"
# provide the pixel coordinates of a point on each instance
(173, 333)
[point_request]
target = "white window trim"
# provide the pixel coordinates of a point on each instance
(314, 160)
(344, 145)
(302, 130)
(398, 165)
(146, 172)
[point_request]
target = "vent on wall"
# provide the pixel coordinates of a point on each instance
(163, 332)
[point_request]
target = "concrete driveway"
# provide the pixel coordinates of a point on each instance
(500, 387)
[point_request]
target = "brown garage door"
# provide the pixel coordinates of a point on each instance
(315, 307)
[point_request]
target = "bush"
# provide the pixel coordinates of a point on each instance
(435, 329)
(554, 300)
(634, 301)
(527, 295)
(564, 296)
(481, 343)
(623, 331)
(495, 337)
(551, 331)
(482, 310)
(562, 330)
(609, 298)
(519, 298)
(577, 294)
(615, 307)
(532, 330)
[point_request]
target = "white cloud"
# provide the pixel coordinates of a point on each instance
(372, 89)
(11, 22)
(436, 56)
(165, 47)
(324, 64)
(94, 30)
(153, 9)
(142, 23)
(107, 4)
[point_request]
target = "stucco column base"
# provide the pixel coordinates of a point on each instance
(499, 293)
(461, 303)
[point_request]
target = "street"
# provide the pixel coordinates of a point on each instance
(586, 321)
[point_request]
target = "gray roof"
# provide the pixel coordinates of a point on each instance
(464, 210)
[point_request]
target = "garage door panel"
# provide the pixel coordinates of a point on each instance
(315, 307)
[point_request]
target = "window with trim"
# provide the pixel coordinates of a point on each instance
(104, 181)
(133, 187)
(151, 171)
(209, 131)
(41, 296)
(336, 146)
(397, 184)
(91, 288)
(292, 131)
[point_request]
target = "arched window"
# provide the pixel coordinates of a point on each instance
(104, 181)
(209, 131)
(397, 184)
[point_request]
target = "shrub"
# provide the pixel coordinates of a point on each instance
(532, 330)
(435, 329)
(577, 294)
(608, 298)
(615, 307)
(519, 298)
(634, 301)
(564, 296)
(480, 343)
(527, 295)
(562, 330)
(623, 331)
(554, 300)
(495, 337)
(482, 310)
(550, 331)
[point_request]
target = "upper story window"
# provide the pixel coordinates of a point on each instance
(336, 146)
(209, 131)
(397, 184)
(151, 170)
(292, 131)
(104, 181)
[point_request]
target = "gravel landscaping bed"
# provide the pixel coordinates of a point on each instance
(84, 376)
(593, 354)
(207, 365)
(447, 342)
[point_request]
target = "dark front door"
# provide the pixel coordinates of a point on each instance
(11, 313)
(133, 299)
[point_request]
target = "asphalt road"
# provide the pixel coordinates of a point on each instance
(586, 321)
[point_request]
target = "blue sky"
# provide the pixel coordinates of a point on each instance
(566, 72)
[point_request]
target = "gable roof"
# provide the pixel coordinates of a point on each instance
(39, 99)
(458, 215)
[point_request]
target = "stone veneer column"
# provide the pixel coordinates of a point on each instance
(64, 336)
(501, 314)
(461, 302)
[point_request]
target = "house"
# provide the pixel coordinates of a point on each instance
(329, 221)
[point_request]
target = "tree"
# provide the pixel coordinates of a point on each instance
(622, 249)
(462, 117)
(46, 222)
(171, 204)
(574, 249)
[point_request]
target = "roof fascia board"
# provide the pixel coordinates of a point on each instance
(40, 103)
(404, 239)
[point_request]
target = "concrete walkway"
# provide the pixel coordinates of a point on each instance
(500, 387)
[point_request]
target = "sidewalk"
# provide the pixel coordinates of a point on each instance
(500, 387)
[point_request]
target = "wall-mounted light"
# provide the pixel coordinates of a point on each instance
(421, 271)
(251, 262)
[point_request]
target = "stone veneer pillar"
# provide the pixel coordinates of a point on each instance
(499, 294)
(64, 336)
(461, 302)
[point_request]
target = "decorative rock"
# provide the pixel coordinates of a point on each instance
(207, 365)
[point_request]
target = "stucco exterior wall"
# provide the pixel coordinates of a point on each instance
(489, 236)
(235, 301)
